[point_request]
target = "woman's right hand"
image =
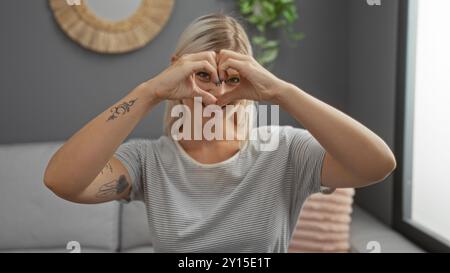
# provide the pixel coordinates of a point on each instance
(178, 80)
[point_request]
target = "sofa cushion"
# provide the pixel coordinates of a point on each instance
(57, 250)
(324, 223)
(134, 230)
(33, 218)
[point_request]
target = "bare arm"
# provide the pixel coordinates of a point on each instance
(355, 156)
(84, 170)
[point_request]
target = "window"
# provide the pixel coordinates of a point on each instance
(423, 133)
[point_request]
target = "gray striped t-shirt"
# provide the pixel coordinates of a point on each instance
(247, 203)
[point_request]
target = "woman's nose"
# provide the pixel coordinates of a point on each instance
(219, 89)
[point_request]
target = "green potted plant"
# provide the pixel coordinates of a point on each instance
(268, 17)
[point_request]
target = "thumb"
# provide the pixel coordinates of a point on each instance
(207, 97)
(229, 97)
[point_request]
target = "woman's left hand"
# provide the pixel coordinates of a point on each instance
(256, 83)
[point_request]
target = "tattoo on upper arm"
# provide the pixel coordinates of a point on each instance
(115, 187)
(121, 109)
(108, 167)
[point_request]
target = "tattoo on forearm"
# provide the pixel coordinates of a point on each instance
(121, 109)
(108, 167)
(115, 187)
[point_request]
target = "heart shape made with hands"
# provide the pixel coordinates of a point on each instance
(228, 66)
(223, 73)
(255, 82)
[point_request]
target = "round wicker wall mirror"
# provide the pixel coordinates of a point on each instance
(112, 26)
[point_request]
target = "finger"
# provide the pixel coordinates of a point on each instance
(232, 72)
(207, 97)
(209, 56)
(203, 65)
(229, 97)
(222, 74)
(225, 54)
(233, 65)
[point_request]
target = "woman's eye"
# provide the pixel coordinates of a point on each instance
(203, 76)
(234, 80)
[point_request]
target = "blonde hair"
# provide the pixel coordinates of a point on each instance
(211, 32)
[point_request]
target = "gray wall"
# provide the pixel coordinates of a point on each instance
(371, 97)
(50, 87)
(318, 64)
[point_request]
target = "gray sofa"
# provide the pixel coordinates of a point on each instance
(33, 219)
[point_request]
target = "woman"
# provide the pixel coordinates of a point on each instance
(217, 195)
